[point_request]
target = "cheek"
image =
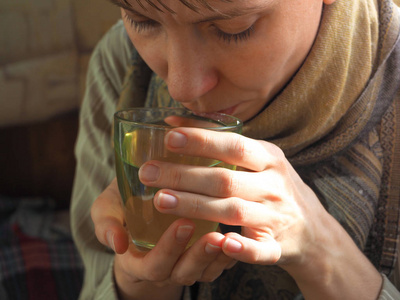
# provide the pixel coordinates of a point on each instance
(256, 70)
(278, 49)
(261, 61)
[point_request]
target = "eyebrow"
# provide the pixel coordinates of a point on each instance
(219, 16)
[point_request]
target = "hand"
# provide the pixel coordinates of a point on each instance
(277, 211)
(282, 220)
(161, 272)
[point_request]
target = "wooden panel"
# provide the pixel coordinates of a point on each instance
(38, 159)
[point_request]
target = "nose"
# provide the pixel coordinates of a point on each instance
(191, 73)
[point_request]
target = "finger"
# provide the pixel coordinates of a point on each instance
(216, 267)
(230, 211)
(229, 147)
(231, 264)
(197, 258)
(108, 219)
(264, 252)
(215, 182)
(157, 264)
(127, 283)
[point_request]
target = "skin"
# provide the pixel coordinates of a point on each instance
(282, 220)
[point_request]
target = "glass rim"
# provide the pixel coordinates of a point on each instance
(234, 122)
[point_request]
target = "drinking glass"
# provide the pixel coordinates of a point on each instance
(139, 137)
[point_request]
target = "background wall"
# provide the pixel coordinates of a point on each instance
(45, 46)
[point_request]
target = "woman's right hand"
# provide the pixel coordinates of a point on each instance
(162, 272)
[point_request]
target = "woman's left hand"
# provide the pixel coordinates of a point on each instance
(282, 220)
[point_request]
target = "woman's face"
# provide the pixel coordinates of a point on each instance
(233, 59)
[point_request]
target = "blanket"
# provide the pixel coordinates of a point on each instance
(38, 259)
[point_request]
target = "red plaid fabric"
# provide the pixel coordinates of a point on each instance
(44, 265)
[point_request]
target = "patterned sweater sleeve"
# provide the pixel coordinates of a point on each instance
(95, 158)
(388, 291)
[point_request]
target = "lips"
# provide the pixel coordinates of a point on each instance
(228, 111)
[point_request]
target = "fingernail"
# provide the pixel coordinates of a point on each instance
(211, 249)
(176, 139)
(110, 239)
(232, 245)
(184, 232)
(149, 172)
(166, 201)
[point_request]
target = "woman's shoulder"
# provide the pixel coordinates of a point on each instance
(115, 42)
(112, 54)
(107, 68)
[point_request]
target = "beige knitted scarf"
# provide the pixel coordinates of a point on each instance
(321, 93)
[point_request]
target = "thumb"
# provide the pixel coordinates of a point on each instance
(266, 252)
(108, 218)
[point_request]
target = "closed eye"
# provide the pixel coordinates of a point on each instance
(236, 37)
(141, 26)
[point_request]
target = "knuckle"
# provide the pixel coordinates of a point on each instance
(279, 155)
(157, 275)
(272, 156)
(228, 184)
(239, 147)
(195, 206)
(275, 257)
(183, 280)
(239, 212)
(206, 142)
(175, 177)
(231, 264)
(277, 253)
(202, 143)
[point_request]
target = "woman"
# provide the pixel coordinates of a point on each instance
(316, 197)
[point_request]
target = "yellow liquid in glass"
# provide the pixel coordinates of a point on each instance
(144, 222)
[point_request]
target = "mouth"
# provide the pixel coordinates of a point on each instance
(228, 111)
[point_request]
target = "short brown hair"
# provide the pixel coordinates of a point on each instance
(192, 4)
